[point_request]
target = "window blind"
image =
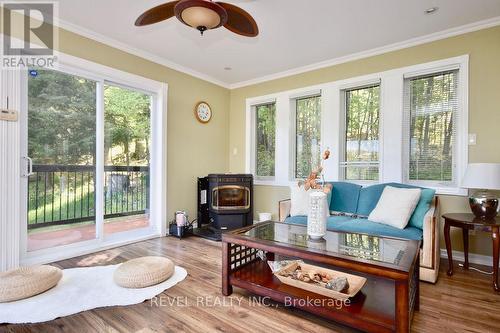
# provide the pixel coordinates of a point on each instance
(430, 112)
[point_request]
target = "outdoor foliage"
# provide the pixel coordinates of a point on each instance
(62, 131)
(265, 139)
(308, 135)
(362, 133)
(127, 126)
(61, 119)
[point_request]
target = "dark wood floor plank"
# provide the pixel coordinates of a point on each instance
(464, 302)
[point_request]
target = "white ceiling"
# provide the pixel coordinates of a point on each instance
(293, 33)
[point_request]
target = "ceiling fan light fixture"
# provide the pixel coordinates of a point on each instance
(201, 14)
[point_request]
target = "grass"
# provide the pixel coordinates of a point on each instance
(53, 197)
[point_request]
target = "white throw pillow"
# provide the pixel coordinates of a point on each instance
(299, 201)
(395, 206)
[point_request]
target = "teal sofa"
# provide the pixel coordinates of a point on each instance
(350, 205)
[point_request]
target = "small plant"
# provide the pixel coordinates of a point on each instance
(312, 181)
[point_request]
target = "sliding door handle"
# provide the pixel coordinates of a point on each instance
(30, 167)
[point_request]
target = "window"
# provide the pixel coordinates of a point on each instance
(361, 140)
(127, 140)
(404, 125)
(92, 138)
(307, 135)
(265, 139)
(430, 110)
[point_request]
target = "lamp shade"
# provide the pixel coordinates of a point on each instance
(484, 176)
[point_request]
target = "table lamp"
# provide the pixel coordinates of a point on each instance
(483, 177)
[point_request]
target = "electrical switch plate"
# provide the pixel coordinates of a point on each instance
(8, 115)
(472, 139)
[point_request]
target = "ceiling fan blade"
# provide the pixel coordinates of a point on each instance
(239, 21)
(156, 14)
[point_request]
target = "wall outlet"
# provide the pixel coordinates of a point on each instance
(8, 115)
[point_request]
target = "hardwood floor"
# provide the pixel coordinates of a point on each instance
(462, 303)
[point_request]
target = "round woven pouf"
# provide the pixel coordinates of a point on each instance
(143, 272)
(25, 282)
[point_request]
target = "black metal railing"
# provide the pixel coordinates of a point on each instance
(65, 194)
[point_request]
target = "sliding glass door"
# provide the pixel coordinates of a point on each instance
(87, 147)
(61, 146)
(127, 138)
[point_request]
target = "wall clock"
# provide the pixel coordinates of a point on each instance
(203, 112)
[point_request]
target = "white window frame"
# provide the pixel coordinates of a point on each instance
(253, 134)
(158, 219)
(342, 129)
(459, 154)
(391, 130)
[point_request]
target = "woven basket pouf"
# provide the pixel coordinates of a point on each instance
(143, 272)
(24, 282)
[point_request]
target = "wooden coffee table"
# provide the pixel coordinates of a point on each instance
(391, 266)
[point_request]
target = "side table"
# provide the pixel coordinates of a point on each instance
(469, 222)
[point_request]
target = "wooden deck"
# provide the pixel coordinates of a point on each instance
(462, 303)
(67, 234)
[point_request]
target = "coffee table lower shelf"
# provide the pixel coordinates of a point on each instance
(372, 309)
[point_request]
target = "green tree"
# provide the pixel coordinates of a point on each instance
(308, 135)
(127, 123)
(265, 139)
(61, 118)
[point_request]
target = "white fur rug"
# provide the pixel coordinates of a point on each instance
(81, 289)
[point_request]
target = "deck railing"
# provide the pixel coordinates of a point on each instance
(65, 194)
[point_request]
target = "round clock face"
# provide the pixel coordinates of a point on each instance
(203, 112)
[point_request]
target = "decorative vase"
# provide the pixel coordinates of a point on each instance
(318, 212)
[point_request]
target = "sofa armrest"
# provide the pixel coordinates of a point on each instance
(284, 209)
(430, 250)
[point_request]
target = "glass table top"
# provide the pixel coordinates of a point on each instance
(356, 246)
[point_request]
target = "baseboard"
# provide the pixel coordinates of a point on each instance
(63, 255)
(477, 259)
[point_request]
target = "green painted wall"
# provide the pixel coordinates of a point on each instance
(193, 149)
(189, 155)
(188, 152)
(483, 47)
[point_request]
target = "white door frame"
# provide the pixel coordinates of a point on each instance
(158, 163)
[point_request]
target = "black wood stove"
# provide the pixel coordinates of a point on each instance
(225, 202)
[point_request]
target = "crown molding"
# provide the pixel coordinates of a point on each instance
(79, 30)
(471, 27)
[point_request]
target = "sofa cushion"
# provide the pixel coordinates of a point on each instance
(345, 197)
(299, 198)
(369, 196)
(365, 226)
(396, 206)
(417, 219)
(347, 224)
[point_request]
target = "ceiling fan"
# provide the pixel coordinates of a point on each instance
(203, 15)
